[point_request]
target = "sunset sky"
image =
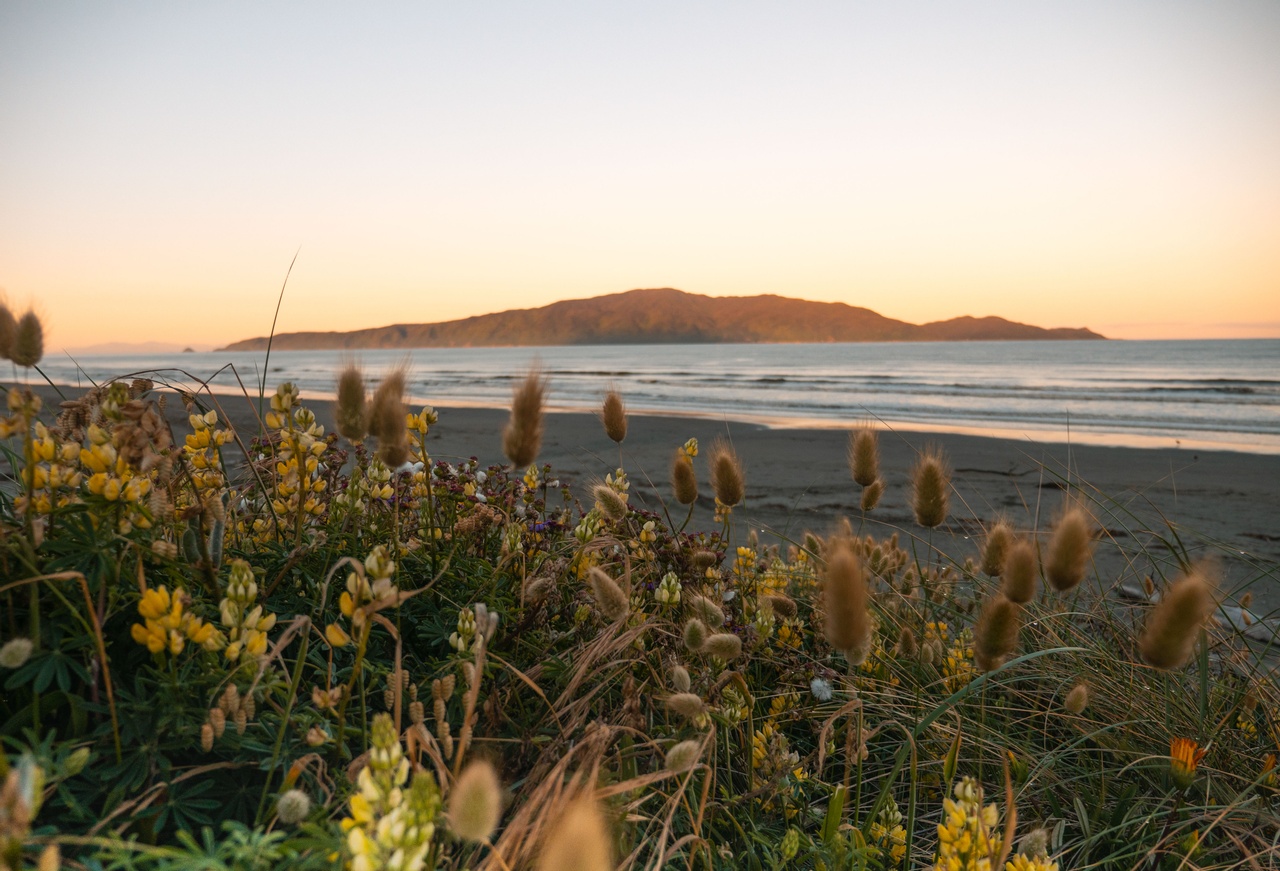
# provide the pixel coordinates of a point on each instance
(1114, 165)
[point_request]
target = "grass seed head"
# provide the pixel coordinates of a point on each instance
(475, 802)
(684, 755)
(931, 488)
(1077, 700)
(845, 594)
(994, 551)
(387, 419)
(996, 634)
(8, 329)
(613, 415)
(351, 413)
(724, 645)
(871, 495)
(610, 598)
(695, 635)
(610, 503)
(687, 705)
(680, 678)
(684, 481)
(1019, 580)
(1170, 634)
(579, 841)
(522, 438)
(707, 611)
(726, 474)
(28, 340)
(1069, 550)
(783, 605)
(864, 456)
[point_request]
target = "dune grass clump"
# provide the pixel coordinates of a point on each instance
(313, 654)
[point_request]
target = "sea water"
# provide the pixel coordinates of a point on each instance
(1207, 394)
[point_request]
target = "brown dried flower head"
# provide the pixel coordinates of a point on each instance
(996, 634)
(352, 415)
(931, 482)
(726, 474)
(845, 594)
(723, 645)
(610, 598)
(28, 340)
(1077, 700)
(1170, 634)
(686, 704)
(871, 494)
(1070, 548)
(864, 455)
(579, 841)
(475, 802)
(684, 481)
(1019, 581)
(522, 438)
(8, 329)
(387, 419)
(996, 547)
(613, 415)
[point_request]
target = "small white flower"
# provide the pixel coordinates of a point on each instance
(480, 498)
(821, 689)
(15, 652)
(481, 477)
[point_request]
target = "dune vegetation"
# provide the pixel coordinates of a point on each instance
(338, 651)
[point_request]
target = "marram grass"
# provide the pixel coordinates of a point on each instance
(324, 657)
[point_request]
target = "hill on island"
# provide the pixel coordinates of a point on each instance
(665, 316)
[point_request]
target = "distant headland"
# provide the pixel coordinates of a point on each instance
(665, 316)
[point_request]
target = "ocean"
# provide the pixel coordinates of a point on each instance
(1210, 394)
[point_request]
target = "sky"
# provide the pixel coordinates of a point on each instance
(1114, 165)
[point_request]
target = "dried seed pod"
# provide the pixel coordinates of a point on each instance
(475, 802)
(1019, 580)
(931, 481)
(687, 705)
(684, 755)
(684, 481)
(523, 436)
(999, 539)
(724, 645)
(871, 495)
(610, 599)
(351, 412)
(1170, 634)
(613, 414)
(726, 474)
(996, 634)
(845, 593)
(707, 611)
(579, 841)
(218, 720)
(864, 455)
(1077, 699)
(1069, 550)
(695, 635)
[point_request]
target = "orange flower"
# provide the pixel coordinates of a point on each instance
(1184, 756)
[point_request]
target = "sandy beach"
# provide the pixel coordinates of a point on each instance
(1221, 503)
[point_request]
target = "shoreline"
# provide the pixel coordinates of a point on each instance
(1029, 435)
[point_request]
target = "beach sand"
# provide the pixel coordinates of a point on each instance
(1220, 503)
